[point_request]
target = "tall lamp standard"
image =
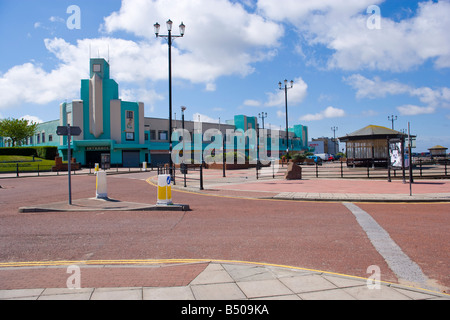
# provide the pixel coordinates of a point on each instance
(170, 38)
(262, 116)
(334, 129)
(286, 88)
(392, 119)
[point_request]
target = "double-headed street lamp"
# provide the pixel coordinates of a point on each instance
(262, 116)
(286, 88)
(170, 38)
(392, 119)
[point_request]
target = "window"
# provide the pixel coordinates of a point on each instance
(152, 135)
(38, 138)
(97, 67)
(130, 114)
(43, 137)
(129, 136)
(146, 136)
(50, 137)
(163, 135)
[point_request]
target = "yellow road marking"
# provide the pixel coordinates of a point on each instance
(179, 261)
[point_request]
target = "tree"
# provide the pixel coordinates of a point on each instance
(17, 129)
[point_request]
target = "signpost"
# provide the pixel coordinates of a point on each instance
(69, 132)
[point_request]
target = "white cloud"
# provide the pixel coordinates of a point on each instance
(203, 118)
(295, 95)
(341, 26)
(221, 38)
(412, 110)
(328, 113)
(252, 103)
(32, 119)
(377, 88)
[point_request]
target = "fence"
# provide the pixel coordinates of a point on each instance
(185, 173)
(36, 169)
(437, 169)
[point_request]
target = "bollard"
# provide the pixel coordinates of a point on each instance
(100, 185)
(97, 166)
(144, 166)
(164, 190)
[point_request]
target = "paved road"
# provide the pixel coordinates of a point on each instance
(312, 235)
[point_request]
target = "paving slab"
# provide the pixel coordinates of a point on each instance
(238, 281)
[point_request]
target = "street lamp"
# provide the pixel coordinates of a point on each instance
(392, 118)
(170, 38)
(334, 129)
(286, 88)
(262, 116)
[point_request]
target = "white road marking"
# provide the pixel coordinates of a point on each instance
(398, 261)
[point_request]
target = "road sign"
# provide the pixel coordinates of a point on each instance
(69, 132)
(66, 130)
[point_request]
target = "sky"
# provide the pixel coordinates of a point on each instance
(353, 62)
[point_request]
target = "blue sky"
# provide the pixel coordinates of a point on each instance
(348, 70)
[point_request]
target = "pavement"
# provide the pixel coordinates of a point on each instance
(226, 280)
(213, 280)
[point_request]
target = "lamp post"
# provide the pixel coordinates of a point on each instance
(183, 108)
(262, 116)
(170, 38)
(334, 129)
(286, 88)
(392, 119)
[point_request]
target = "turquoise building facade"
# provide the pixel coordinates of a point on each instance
(119, 129)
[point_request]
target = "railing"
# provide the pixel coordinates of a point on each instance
(186, 174)
(438, 169)
(17, 170)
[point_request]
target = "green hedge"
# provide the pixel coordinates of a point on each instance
(48, 153)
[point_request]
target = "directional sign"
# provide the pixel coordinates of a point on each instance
(65, 131)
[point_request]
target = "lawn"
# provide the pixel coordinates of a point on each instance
(26, 164)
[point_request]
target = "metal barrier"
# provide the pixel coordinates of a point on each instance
(188, 173)
(340, 170)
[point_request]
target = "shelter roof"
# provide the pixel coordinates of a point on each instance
(373, 131)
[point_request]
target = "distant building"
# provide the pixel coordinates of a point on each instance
(324, 145)
(120, 129)
(438, 152)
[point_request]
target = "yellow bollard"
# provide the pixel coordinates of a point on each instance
(96, 168)
(164, 190)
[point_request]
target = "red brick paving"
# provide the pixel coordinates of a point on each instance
(322, 236)
(102, 276)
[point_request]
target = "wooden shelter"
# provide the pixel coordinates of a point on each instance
(369, 146)
(438, 152)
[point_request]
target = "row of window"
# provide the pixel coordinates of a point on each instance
(40, 138)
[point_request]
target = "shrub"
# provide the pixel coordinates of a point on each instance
(48, 153)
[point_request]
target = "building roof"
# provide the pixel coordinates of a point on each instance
(438, 147)
(372, 131)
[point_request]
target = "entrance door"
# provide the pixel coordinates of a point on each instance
(93, 157)
(131, 159)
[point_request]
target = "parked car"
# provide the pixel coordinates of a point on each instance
(323, 156)
(316, 159)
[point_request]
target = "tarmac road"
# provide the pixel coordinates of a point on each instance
(315, 235)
